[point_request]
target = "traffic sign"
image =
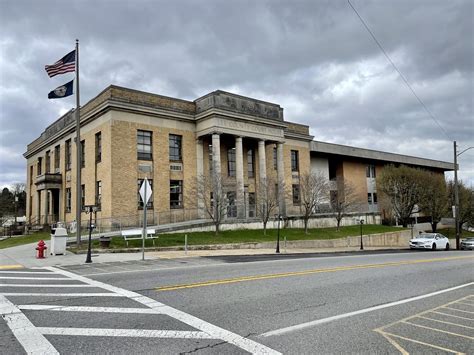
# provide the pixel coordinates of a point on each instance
(145, 191)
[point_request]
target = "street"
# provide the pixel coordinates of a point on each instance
(398, 302)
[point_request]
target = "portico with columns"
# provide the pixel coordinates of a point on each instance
(240, 137)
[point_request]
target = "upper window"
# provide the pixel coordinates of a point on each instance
(98, 147)
(176, 194)
(47, 163)
(175, 147)
(250, 164)
(144, 145)
(57, 156)
(231, 165)
(370, 171)
(295, 164)
(31, 176)
(39, 166)
(68, 154)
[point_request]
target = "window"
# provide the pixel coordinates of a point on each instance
(231, 162)
(83, 197)
(275, 158)
(370, 171)
(296, 194)
(68, 199)
(176, 194)
(39, 165)
(144, 145)
(231, 206)
(31, 177)
(68, 154)
(83, 154)
(98, 195)
(295, 165)
(251, 204)
(175, 147)
(369, 198)
(374, 198)
(98, 147)
(140, 201)
(57, 157)
(47, 163)
(250, 165)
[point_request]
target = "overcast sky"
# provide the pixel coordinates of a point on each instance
(314, 58)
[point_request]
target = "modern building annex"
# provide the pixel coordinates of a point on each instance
(129, 135)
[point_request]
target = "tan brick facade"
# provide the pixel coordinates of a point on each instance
(119, 113)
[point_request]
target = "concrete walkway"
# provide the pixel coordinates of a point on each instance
(25, 255)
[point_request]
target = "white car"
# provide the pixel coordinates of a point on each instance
(431, 241)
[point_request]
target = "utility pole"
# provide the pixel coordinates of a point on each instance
(456, 195)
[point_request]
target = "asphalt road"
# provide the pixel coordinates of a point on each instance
(418, 302)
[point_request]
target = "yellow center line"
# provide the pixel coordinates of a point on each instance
(302, 273)
(8, 267)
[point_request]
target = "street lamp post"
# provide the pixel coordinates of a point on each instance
(361, 243)
(456, 193)
(278, 236)
(90, 209)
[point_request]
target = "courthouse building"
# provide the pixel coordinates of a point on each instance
(127, 135)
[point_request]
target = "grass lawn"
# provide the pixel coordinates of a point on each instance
(14, 241)
(451, 233)
(246, 236)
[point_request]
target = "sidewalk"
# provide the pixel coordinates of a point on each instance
(25, 255)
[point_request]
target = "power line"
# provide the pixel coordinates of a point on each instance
(399, 72)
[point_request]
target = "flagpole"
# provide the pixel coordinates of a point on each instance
(78, 151)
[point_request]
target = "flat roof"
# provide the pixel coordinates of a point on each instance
(344, 150)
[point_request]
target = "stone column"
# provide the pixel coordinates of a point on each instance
(239, 177)
(199, 175)
(45, 206)
(281, 180)
(262, 168)
(262, 161)
(216, 154)
(38, 207)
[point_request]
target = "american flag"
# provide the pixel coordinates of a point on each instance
(65, 65)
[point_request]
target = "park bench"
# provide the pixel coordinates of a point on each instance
(134, 234)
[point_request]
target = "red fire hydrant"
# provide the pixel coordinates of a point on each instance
(41, 248)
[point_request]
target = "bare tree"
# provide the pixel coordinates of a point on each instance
(314, 191)
(19, 193)
(434, 201)
(267, 201)
(210, 193)
(343, 200)
(466, 202)
(403, 186)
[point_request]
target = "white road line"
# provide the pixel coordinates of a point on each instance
(213, 331)
(138, 333)
(27, 272)
(25, 332)
(41, 307)
(60, 294)
(31, 278)
(361, 311)
(45, 285)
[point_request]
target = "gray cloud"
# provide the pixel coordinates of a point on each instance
(314, 58)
